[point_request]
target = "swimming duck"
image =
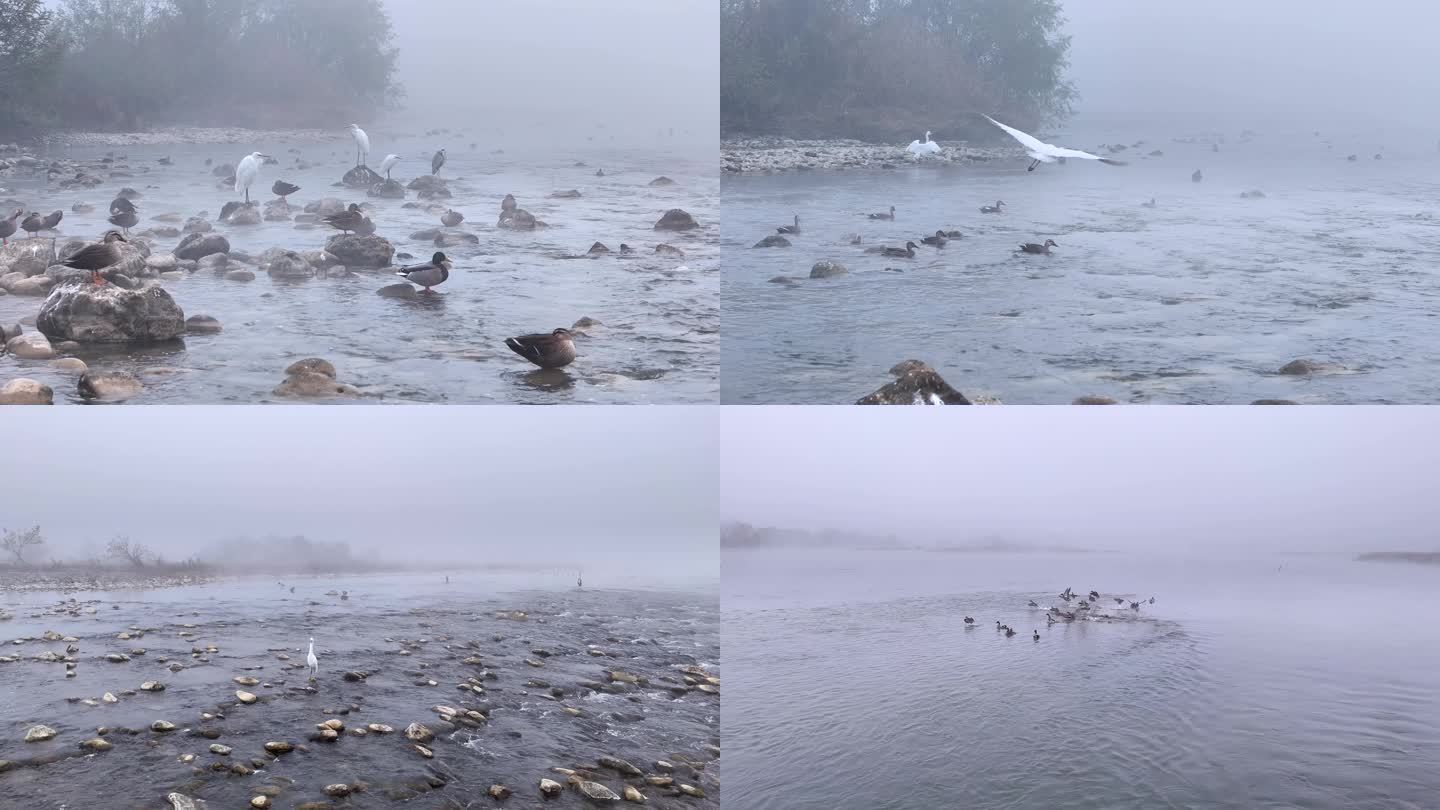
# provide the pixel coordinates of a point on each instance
(992, 209)
(451, 218)
(1150, 204)
(427, 275)
(1009, 632)
(350, 219)
(97, 257)
(890, 215)
(555, 350)
(1037, 635)
(9, 224)
(1095, 595)
(1032, 603)
(1119, 601)
(344, 594)
(969, 620)
(1152, 600)
(283, 189)
(1197, 176)
(795, 228)
(1031, 247)
(599, 172)
(1134, 605)
(938, 240)
(998, 625)
(908, 251)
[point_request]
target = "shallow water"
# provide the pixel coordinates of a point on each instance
(1286, 681)
(658, 343)
(1198, 300)
(648, 632)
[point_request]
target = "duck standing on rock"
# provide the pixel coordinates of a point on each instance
(52, 219)
(553, 350)
(97, 257)
(351, 219)
(125, 220)
(33, 224)
(430, 274)
(283, 189)
(9, 224)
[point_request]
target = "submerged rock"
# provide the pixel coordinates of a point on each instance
(389, 189)
(107, 314)
(773, 240)
(518, 219)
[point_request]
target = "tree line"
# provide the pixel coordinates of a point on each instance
(130, 64)
(887, 70)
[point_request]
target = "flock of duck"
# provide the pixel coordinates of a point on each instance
(1055, 615)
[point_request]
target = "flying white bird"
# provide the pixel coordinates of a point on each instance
(389, 163)
(311, 662)
(926, 147)
(247, 171)
(362, 144)
(1041, 152)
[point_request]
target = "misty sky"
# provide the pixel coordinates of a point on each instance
(634, 65)
(1228, 62)
(1112, 478)
(472, 483)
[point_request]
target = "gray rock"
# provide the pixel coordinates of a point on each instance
(676, 220)
(915, 384)
(199, 245)
(663, 249)
(401, 290)
(773, 240)
(25, 391)
(29, 347)
(518, 220)
(240, 275)
(361, 251)
(202, 325)
(109, 385)
(289, 264)
(827, 269)
(389, 189)
(107, 314)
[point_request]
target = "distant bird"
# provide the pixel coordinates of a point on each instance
(451, 218)
(1041, 152)
(1031, 247)
(908, 251)
(508, 204)
(890, 215)
(1197, 176)
(97, 257)
(344, 595)
(599, 172)
(351, 219)
(998, 625)
(283, 189)
(389, 163)
(1150, 204)
(165, 161)
(1119, 601)
(122, 204)
(124, 220)
(579, 582)
(247, 171)
(793, 228)
(555, 350)
(52, 219)
(430, 274)
(1009, 632)
(33, 223)
(969, 620)
(1134, 605)
(1037, 635)
(938, 240)
(362, 144)
(926, 147)
(311, 662)
(1032, 603)
(992, 209)
(437, 161)
(9, 224)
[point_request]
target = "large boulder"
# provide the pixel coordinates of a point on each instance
(199, 245)
(389, 189)
(915, 383)
(826, 268)
(361, 251)
(518, 220)
(676, 220)
(25, 391)
(428, 183)
(289, 264)
(361, 177)
(86, 313)
(27, 256)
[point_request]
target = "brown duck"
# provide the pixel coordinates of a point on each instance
(555, 350)
(97, 257)
(1031, 247)
(351, 219)
(890, 215)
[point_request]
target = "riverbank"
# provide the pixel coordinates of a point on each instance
(769, 155)
(79, 580)
(164, 136)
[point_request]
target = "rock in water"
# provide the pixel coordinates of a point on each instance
(826, 268)
(773, 240)
(517, 220)
(361, 251)
(86, 313)
(662, 180)
(389, 189)
(361, 177)
(26, 392)
(596, 791)
(110, 385)
(197, 246)
(40, 734)
(915, 384)
(676, 220)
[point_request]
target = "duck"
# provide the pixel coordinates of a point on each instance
(282, 189)
(344, 595)
(599, 172)
(1009, 632)
(993, 209)
(1197, 176)
(1095, 595)
(451, 218)
(1119, 601)
(122, 205)
(124, 220)
(1152, 600)
(350, 219)
(1031, 603)
(1037, 635)
(97, 257)
(794, 228)
(437, 161)
(33, 223)
(553, 350)
(1134, 605)
(431, 274)
(9, 224)
(1031, 247)
(52, 219)
(908, 251)
(969, 620)
(508, 204)
(938, 240)
(998, 625)
(1150, 204)
(890, 215)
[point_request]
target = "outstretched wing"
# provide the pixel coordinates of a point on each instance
(1026, 140)
(1060, 151)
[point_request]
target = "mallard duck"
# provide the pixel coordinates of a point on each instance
(437, 161)
(795, 228)
(451, 218)
(907, 252)
(992, 209)
(1031, 247)
(97, 257)
(351, 219)
(431, 274)
(283, 189)
(9, 224)
(124, 220)
(890, 215)
(33, 223)
(555, 350)
(969, 620)
(938, 240)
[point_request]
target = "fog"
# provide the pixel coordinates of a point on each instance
(1122, 478)
(627, 486)
(1240, 63)
(557, 71)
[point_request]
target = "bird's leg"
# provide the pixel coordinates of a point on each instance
(1033, 164)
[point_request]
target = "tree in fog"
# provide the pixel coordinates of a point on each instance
(29, 56)
(890, 69)
(124, 550)
(15, 543)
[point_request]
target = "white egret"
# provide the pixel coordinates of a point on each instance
(311, 662)
(1041, 152)
(926, 147)
(389, 163)
(247, 171)
(362, 144)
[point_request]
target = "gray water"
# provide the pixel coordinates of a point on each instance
(1278, 681)
(1198, 300)
(405, 631)
(658, 342)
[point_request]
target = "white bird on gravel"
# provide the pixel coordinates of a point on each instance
(926, 147)
(311, 662)
(1041, 152)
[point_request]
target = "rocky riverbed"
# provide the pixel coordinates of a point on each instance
(443, 696)
(768, 155)
(165, 136)
(18, 580)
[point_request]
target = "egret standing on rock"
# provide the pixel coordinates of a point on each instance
(1041, 152)
(311, 662)
(362, 144)
(437, 161)
(389, 163)
(247, 171)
